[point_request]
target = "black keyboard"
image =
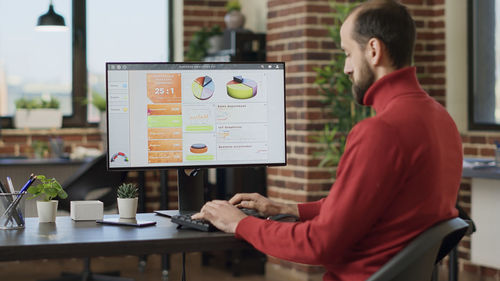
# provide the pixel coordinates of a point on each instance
(203, 225)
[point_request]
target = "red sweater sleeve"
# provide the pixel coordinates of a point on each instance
(308, 211)
(367, 180)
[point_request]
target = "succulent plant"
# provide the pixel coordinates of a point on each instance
(127, 190)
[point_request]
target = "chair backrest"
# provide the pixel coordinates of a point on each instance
(91, 177)
(416, 261)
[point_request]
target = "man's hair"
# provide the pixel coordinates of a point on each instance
(390, 22)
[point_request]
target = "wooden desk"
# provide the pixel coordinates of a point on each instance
(67, 238)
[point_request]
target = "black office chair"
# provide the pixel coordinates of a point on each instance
(416, 261)
(92, 177)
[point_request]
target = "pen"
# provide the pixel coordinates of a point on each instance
(28, 183)
(11, 186)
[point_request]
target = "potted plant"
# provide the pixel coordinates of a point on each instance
(48, 189)
(234, 19)
(38, 113)
(99, 102)
(127, 200)
(204, 41)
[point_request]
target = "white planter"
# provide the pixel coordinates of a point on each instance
(43, 118)
(127, 207)
(47, 210)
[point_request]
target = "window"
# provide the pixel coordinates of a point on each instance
(484, 64)
(125, 35)
(70, 65)
(33, 63)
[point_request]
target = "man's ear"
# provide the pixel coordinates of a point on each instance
(374, 51)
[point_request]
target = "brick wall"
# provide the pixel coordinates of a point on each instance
(16, 142)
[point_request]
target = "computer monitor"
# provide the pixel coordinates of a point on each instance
(195, 115)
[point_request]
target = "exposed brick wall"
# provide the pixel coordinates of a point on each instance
(202, 13)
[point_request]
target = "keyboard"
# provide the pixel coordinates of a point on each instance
(204, 225)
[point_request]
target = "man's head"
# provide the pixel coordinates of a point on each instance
(378, 37)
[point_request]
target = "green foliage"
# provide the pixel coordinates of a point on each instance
(35, 103)
(39, 148)
(49, 188)
(127, 190)
(335, 87)
(98, 101)
(233, 5)
(199, 44)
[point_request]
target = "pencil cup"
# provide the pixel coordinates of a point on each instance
(12, 210)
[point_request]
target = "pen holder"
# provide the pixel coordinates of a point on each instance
(12, 210)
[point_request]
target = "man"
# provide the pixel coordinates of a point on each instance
(399, 174)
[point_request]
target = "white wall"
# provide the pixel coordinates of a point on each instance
(456, 61)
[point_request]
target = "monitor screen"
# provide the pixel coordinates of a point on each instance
(189, 115)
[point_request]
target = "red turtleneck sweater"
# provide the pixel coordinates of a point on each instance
(399, 175)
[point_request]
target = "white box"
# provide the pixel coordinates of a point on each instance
(88, 210)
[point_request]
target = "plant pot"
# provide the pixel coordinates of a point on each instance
(47, 211)
(234, 20)
(127, 207)
(102, 123)
(215, 44)
(43, 118)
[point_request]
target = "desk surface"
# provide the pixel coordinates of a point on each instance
(67, 238)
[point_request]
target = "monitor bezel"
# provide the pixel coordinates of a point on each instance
(145, 168)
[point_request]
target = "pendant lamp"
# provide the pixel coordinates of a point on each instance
(51, 21)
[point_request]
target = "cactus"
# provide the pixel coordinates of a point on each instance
(127, 190)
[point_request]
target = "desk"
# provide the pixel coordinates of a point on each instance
(485, 210)
(68, 239)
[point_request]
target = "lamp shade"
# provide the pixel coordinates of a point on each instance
(51, 21)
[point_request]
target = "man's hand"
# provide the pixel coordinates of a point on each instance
(263, 205)
(221, 214)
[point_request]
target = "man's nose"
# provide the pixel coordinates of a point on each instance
(347, 68)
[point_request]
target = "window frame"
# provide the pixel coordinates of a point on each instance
(473, 124)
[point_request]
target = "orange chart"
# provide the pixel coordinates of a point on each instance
(164, 87)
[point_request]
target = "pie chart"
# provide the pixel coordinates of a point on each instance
(241, 88)
(203, 87)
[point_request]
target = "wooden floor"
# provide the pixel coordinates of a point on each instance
(128, 266)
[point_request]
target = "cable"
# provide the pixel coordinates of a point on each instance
(183, 278)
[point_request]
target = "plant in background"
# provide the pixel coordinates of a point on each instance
(98, 101)
(36, 103)
(48, 188)
(335, 87)
(127, 190)
(199, 44)
(233, 5)
(40, 148)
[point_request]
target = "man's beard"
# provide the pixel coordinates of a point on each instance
(359, 88)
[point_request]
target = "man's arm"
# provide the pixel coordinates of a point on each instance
(368, 179)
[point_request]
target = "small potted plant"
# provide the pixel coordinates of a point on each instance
(234, 19)
(48, 189)
(127, 200)
(38, 113)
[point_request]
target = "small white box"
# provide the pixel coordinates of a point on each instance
(88, 210)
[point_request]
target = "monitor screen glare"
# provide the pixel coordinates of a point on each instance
(174, 115)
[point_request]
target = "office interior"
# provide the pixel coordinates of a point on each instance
(295, 33)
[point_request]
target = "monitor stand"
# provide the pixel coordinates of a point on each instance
(191, 189)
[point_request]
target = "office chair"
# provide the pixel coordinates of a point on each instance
(416, 261)
(92, 177)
